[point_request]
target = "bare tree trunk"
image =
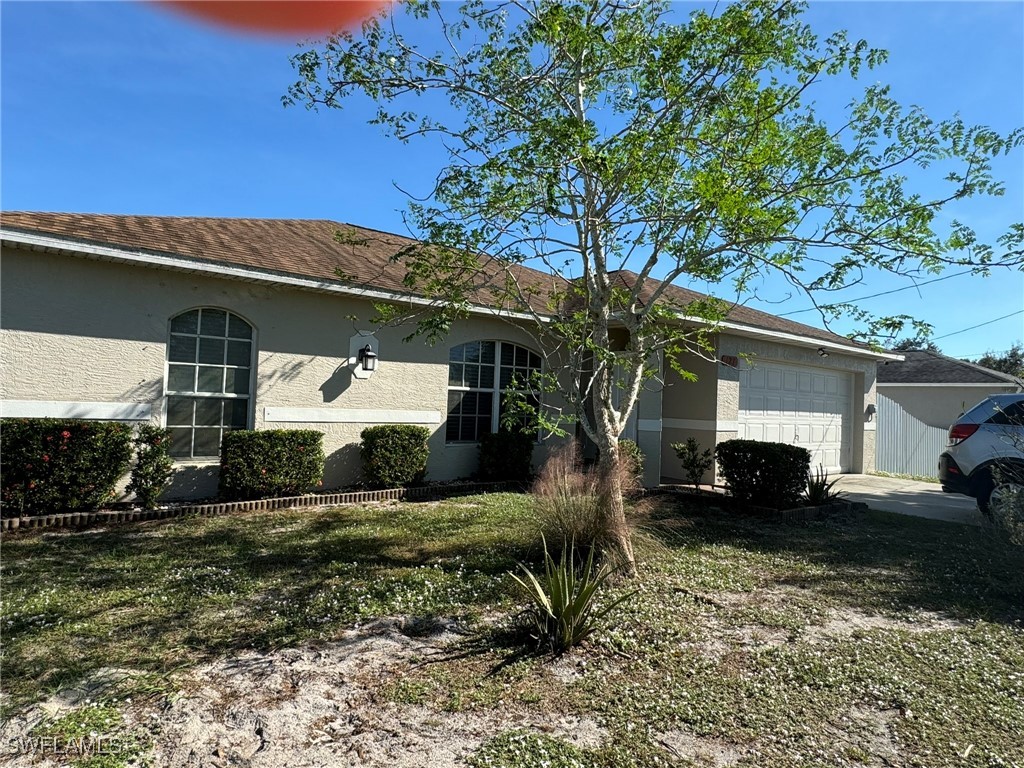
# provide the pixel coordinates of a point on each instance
(610, 475)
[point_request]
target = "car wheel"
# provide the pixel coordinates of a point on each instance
(1006, 499)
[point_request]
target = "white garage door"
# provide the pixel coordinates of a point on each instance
(799, 405)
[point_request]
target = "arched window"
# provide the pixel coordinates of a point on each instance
(209, 379)
(478, 372)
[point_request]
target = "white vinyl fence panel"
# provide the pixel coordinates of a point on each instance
(905, 445)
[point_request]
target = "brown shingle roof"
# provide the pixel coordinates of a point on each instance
(302, 247)
(680, 297)
(923, 367)
(309, 248)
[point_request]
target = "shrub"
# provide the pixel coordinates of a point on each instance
(819, 488)
(695, 461)
(394, 455)
(1007, 505)
(261, 464)
(764, 474)
(507, 456)
(61, 465)
(153, 464)
(563, 598)
(632, 460)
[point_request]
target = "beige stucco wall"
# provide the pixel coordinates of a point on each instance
(690, 410)
(83, 330)
(939, 406)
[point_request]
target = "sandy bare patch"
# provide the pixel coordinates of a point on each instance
(318, 706)
(869, 734)
(702, 751)
(313, 706)
(848, 621)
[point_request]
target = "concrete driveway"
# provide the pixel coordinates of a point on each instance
(910, 497)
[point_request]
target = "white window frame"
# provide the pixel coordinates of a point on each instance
(169, 393)
(496, 391)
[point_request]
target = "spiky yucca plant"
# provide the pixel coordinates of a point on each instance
(819, 488)
(563, 597)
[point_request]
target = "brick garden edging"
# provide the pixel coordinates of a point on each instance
(106, 517)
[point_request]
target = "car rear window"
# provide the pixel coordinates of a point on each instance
(1011, 414)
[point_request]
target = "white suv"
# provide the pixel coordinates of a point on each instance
(984, 457)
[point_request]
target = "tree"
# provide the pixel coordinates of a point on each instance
(1011, 361)
(584, 137)
(915, 343)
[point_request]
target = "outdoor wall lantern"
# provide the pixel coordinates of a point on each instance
(363, 354)
(869, 412)
(822, 352)
(367, 358)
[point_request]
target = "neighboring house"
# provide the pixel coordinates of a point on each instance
(919, 398)
(206, 325)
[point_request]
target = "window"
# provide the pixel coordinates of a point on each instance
(478, 373)
(209, 376)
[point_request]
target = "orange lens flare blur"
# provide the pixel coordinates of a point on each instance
(280, 17)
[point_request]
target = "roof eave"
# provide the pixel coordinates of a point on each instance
(767, 334)
(178, 263)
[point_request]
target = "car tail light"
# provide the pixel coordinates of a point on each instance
(960, 432)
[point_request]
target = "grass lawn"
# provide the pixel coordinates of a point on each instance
(869, 640)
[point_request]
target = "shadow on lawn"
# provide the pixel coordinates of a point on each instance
(876, 561)
(149, 595)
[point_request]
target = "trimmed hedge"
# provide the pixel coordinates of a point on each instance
(507, 456)
(394, 455)
(261, 464)
(764, 474)
(153, 464)
(60, 465)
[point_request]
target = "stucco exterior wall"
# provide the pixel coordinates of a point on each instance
(81, 330)
(690, 410)
(939, 406)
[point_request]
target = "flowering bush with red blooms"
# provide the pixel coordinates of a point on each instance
(153, 464)
(262, 464)
(60, 465)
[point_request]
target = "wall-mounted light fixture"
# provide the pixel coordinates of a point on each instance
(363, 354)
(822, 352)
(869, 412)
(367, 358)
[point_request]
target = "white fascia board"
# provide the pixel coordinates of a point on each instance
(789, 338)
(221, 269)
(809, 341)
(992, 385)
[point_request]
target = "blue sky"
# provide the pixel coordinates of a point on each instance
(122, 107)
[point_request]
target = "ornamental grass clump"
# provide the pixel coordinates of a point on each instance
(571, 505)
(567, 501)
(564, 607)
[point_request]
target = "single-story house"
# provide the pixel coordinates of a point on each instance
(206, 325)
(919, 398)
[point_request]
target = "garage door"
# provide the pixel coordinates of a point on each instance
(799, 405)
